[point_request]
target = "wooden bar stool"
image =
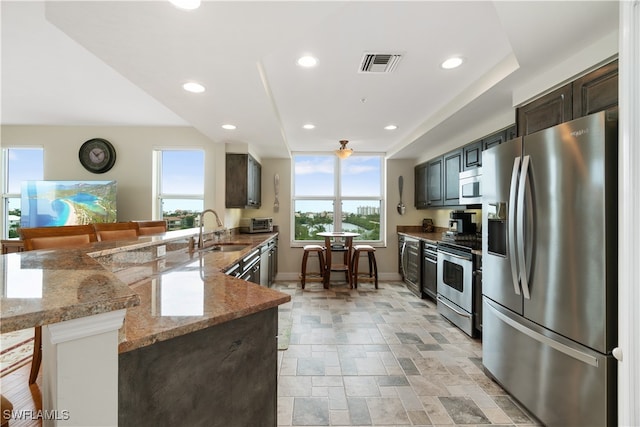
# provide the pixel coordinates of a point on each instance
(372, 275)
(67, 236)
(313, 276)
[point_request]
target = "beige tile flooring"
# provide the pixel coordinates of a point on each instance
(382, 357)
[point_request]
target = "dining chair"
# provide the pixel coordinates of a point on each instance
(146, 228)
(116, 230)
(66, 236)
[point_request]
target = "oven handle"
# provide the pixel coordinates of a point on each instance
(455, 256)
(458, 312)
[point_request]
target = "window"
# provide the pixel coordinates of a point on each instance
(180, 187)
(19, 164)
(338, 195)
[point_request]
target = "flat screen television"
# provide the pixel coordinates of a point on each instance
(56, 203)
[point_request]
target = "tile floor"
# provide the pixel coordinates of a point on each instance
(382, 357)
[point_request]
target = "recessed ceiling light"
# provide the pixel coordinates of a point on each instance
(453, 62)
(391, 127)
(228, 127)
(309, 126)
(186, 4)
(307, 61)
(193, 87)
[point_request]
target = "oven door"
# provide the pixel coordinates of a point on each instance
(455, 277)
(455, 290)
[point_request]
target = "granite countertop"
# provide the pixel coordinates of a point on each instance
(50, 286)
(193, 295)
(165, 296)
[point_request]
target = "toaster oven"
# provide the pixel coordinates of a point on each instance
(256, 225)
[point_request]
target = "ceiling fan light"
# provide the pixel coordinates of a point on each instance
(343, 152)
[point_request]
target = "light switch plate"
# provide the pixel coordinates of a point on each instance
(161, 251)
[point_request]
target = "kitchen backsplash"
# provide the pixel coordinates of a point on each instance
(440, 217)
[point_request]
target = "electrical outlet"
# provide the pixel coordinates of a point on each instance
(161, 251)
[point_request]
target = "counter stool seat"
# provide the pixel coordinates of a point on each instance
(318, 276)
(372, 274)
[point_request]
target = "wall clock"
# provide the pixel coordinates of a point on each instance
(97, 155)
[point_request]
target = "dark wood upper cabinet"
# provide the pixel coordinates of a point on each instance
(452, 162)
(243, 181)
(420, 186)
(550, 110)
(593, 92)
(434, 183)
(494, 139)
(472, 155)
(510, 133)
(596, 91)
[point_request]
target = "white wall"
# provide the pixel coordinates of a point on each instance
(134, 159)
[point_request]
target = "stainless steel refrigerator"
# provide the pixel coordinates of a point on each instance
(549, 270)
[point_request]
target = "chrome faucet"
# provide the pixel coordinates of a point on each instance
(200, 235)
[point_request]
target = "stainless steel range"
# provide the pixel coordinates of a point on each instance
(457, 289)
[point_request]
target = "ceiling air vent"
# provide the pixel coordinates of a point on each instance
(379, 62)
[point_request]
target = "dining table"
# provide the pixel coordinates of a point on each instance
(339, 242)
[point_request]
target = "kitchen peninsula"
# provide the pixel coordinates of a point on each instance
(197, 347)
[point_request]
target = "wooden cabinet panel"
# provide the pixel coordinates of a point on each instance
(511, 132)
(596, 91)
(420, 197)
(434, 183)
(243, 181)
(254, 189)
(545, 112)
(494, 139)
(451, 177)
(472, 155)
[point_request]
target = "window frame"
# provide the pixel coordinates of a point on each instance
(4, 184)
(336, 198)
(159, 195)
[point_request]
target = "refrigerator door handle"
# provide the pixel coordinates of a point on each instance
(522, 186)
(511, 238)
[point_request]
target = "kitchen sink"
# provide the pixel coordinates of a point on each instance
(225, 247)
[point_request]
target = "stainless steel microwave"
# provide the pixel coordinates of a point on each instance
(471, 187)
(256, 225)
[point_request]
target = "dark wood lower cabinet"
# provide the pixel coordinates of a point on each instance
(225, 375)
